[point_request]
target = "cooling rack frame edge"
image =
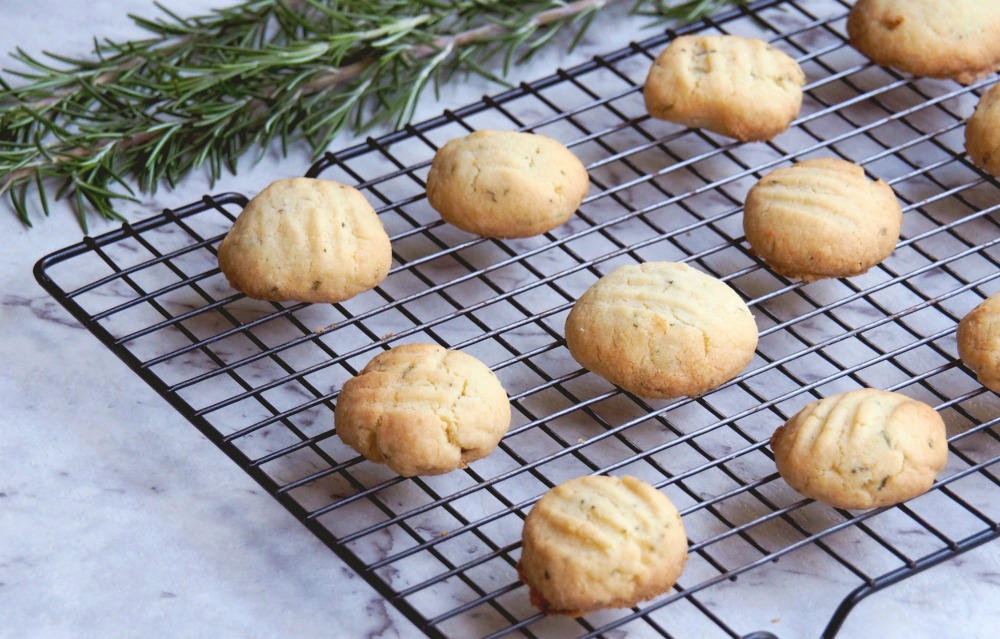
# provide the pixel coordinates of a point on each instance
(408, 611)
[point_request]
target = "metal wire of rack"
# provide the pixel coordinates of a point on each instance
(260, 379)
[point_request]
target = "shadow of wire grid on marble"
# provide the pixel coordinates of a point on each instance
(261, 379)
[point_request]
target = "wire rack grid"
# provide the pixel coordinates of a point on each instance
(260, 380)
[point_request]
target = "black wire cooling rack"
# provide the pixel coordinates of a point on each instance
(260, 380)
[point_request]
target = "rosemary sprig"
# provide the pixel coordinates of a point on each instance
(201, 92)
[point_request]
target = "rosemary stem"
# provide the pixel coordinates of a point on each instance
(337, 77)
(200, 92)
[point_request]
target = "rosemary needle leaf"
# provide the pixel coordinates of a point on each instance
(197, 93)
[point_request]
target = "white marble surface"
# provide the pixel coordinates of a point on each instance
(118, 519)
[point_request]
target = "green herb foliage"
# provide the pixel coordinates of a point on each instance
(201, 92)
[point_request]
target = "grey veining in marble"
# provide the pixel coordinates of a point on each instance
(118, 519)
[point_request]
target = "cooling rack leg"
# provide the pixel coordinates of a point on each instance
(851, 600)
(844, 609)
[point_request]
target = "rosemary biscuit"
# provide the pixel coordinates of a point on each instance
(821, 218)
(423, 410)
(662, 329)
(956, 39)
(979, 342)
(306, 240)
(862, 449)
(600, 542)
(739, 87)
(505, 184)
(982, 132)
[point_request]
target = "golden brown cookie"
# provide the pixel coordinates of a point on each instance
(739, 87)
(662, 329)
(821, 218)
(306, 240)
(982, 132)
(979, 342)
(504, 184)
(958, 39)
(600, 542)
(862, 449)
(423, 410)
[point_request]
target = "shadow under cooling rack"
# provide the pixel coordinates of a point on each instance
(260, 379)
